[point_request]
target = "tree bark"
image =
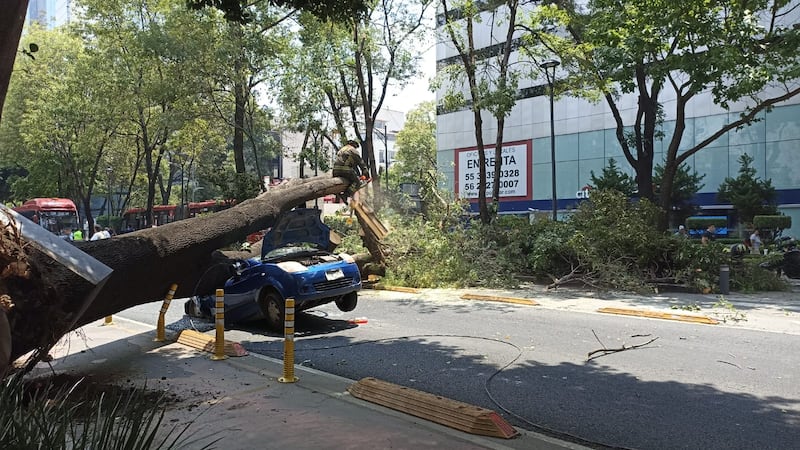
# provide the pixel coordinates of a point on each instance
(11, 23)
(145, 263)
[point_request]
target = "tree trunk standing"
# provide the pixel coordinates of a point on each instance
(665, 195)
(11, 21)
(145, 263)
(239, 96)
(238, 121)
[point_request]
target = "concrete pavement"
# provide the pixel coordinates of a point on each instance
(240, 401)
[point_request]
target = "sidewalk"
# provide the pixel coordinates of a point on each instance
(241, 401)
(777, 312)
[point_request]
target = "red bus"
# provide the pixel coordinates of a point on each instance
(55, 214)
(208, 206)
(136, 218)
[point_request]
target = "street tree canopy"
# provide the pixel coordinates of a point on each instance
(615, 179)
(13, 19)
(748, 193)
(663, 50)
(236, 10)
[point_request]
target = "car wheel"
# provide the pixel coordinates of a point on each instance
(272, 306)
(347, 302)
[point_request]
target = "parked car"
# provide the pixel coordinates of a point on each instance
(296, 262)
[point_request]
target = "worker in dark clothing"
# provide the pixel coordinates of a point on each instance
(350, 166)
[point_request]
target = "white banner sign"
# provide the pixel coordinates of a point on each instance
(514, 180)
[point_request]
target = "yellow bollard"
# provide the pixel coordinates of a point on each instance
(161, 334)
(109, 320)
(288, 343)
(219, 341)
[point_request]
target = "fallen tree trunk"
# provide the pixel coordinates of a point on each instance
(43, 303)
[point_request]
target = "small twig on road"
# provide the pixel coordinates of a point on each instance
(733, 364)
(607, 351)
(598, 340)
(640, 335)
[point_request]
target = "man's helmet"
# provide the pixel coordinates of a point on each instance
(352, 142)
(738, 250)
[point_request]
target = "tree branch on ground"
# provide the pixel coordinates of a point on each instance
(607, 351)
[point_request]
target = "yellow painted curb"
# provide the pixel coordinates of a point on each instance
(659, 315)
(379, 287)
(494, 298)
(204, 342)
(444, 411)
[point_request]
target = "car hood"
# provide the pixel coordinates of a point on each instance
(297, 226)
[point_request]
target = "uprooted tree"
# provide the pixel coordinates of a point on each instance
(43, 300)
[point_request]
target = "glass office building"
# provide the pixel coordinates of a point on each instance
(585, 139)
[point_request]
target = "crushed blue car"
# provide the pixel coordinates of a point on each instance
(296, 262)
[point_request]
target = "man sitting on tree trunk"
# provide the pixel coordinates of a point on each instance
(350, 166)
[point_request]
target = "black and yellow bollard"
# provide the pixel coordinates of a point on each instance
(288, 343)
(219, 341)
(161, 334)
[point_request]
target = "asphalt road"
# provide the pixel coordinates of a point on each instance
(695, 386)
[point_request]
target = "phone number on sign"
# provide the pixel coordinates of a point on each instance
(503, 174)
(503, 185)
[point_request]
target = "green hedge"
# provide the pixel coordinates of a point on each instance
(701, 223)
(772, 222)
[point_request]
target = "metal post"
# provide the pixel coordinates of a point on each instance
(219, 341)
(547, 65)
(109, 320)
(724, 279)
(160, 327)
(109, 170)
(288, 343)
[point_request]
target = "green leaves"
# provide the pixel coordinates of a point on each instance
(416, 150)
(238, 11)
(749, 194)
(734, 49)
(613, 178)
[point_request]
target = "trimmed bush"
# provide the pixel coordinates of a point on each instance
(772, 222)
(701, 223)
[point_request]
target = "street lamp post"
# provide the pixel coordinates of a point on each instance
(386, 153)
(316, 165)
(549, 65)
(109, 170)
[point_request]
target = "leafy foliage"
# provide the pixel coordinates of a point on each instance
(615, 179)
(238, 186)
(416, 151)
(750, 277)
(609, 243)
(491, 82)
(747, 193)
(686, 184)
(687, 50)
(45, 414)
(237, 10)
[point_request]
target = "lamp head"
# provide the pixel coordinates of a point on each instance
(549, 64)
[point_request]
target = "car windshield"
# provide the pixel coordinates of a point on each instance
(293, 249)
